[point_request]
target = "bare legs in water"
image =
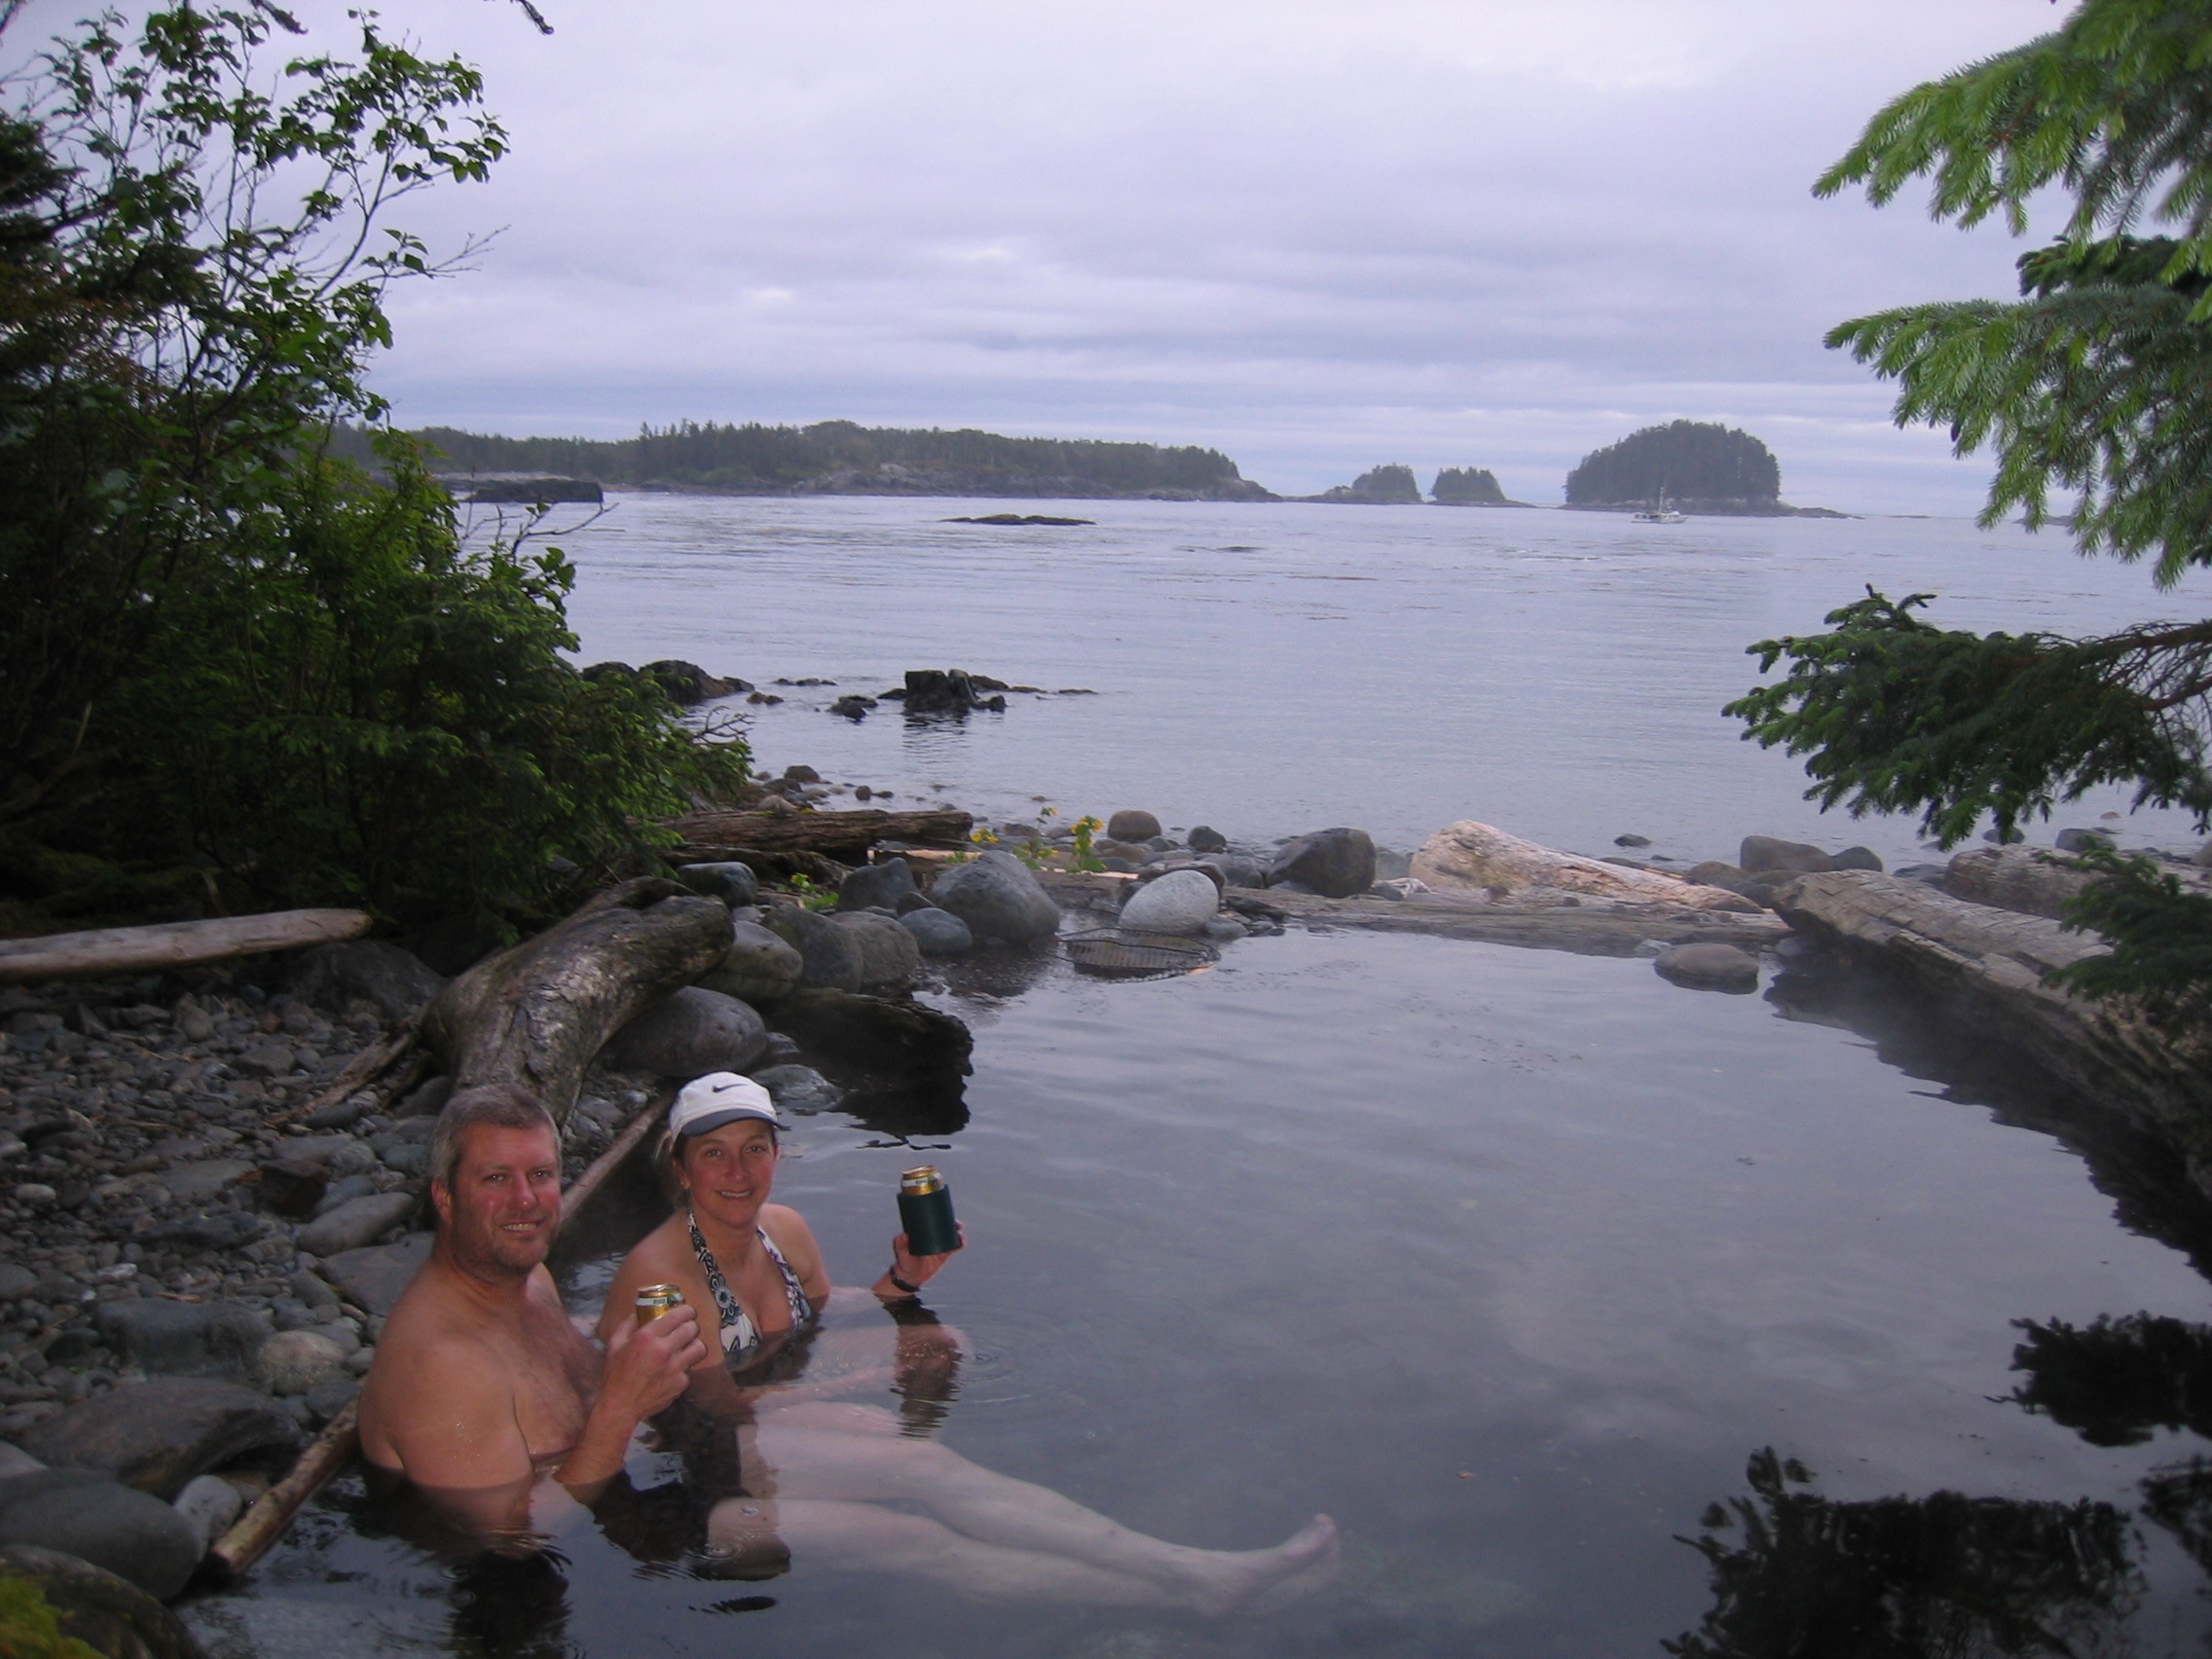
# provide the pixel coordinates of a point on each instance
(986, 1534)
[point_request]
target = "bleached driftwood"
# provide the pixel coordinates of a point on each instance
(173, 944)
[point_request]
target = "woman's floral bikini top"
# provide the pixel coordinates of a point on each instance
(741, 1341)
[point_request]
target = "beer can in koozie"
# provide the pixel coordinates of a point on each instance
(924, 1212)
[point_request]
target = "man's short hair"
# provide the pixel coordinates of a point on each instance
(487, 1106)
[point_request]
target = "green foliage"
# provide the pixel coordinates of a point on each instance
(754, 457)
(2160, 935)
(1468, 486)
(1684, 460)
(191, 274)
(415, 737)
(2097, 382)
(232, 670)
(30, 1628)
(1899, 716)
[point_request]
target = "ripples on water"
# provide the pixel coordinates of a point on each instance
(1272, 668)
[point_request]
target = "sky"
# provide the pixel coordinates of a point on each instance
(1317, 235)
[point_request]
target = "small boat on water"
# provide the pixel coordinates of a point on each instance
(1661, 512)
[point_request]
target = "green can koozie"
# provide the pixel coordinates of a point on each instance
(924, 1212)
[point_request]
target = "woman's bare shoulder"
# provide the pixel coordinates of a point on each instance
(785, 1226)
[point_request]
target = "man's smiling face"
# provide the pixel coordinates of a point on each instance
(499, 1213)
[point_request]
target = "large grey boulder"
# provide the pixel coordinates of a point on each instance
(1762, 853)
(939, 933)
(1131, 825)
(760, 967)
(690, 1033)
(1337, 864)
(183, 1339)
(160, 1434)
(1181, 901)
(395, 981)
(875, 886)
(890, 956)
(376, 1277)
(355, 1223)
(129, 1533)
(102, 1609)
(999, 898)
(734, 883)
(830, 955)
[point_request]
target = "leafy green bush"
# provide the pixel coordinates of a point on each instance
(360, 706)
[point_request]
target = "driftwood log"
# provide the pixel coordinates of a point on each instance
(536, 1014)
(173, 944)
(845, 836)
(1983, 967)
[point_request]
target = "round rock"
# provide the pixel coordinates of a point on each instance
(890, 955)
(875, 886)
(759, 968)
(1181, 901)
(1206, 839)
(1336, 863)
(687, 1034)
(999, 898)
(734, 883)
(1131, 825)
(939, 933)
(131, 1534)
(291, 1362)
(1709, 968)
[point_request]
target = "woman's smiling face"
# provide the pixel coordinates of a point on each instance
(727, 1173)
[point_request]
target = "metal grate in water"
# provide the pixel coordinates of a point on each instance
(1120, 956)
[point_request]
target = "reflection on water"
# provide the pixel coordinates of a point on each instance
(1796, 1575)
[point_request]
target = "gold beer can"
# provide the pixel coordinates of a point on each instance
(654, 1300)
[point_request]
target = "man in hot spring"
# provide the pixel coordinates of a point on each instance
(489, 1402)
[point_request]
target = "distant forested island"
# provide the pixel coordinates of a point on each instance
(840, 458)
(1394, 484)
(1697, 466)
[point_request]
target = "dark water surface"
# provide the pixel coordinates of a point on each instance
(1511, 1262)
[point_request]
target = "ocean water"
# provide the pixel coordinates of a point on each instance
(1272, 668)
(1534, 1271)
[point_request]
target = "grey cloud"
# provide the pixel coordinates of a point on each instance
(1488, 232)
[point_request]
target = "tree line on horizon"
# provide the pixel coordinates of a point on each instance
(753, 457)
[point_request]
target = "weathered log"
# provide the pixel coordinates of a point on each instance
(842, 835)
(1984, 968)
(173, 944)
(536, 1014)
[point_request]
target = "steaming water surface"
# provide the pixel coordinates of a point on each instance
(1508, 1259)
